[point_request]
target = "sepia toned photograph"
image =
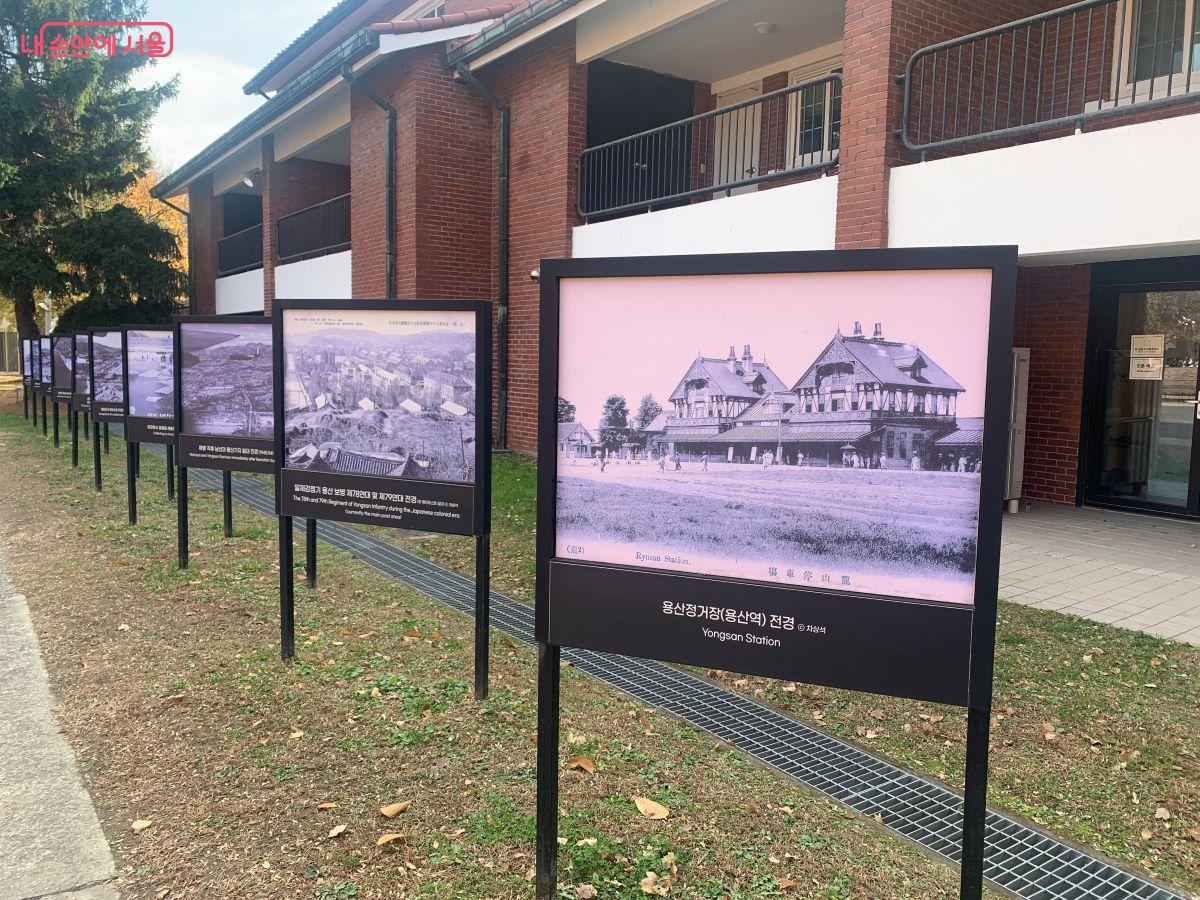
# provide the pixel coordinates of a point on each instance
(225, 379)
(108, 373)
(824, 430)
(151, 376)
(380, 392)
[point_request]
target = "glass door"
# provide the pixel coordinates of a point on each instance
(1148, 422)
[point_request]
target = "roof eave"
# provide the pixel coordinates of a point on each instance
(305, 40)
(513, 25)
(329, 66)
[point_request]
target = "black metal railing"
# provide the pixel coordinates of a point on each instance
(240, 251)
(314, 231)
(1058, 68)
(784, 133)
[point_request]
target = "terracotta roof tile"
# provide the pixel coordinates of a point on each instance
(435, 23)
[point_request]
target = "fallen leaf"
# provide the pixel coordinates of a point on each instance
(141, 825)
(336, 830)
(394, 809)
(326, 806)
(651, 885)
(586, 892)
(1195, 833)
(1147, 834)
(583, 764)
(786, 884)
(650, 809)
(1162, 813)
(390, 838)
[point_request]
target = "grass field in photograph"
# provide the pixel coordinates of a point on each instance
(918, 526)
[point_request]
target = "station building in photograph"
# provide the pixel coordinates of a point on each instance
(442, 149)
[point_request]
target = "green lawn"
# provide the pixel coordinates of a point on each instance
(1095, 727)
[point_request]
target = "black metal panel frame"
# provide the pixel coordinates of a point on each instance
(177, 361)
(1001, 261)
(92, 332)
(482, 488)
(125, 329)
(59, 393)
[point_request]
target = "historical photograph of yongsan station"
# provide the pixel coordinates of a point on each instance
(865, 403)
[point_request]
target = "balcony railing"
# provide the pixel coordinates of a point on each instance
(781, 134)
(240, 251)
(315, 231)
(1059, 68)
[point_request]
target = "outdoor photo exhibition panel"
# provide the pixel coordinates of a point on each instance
(788, 465)
(383, 417)
(108, 375)
(383, 413)
(62, 367)
(44, 366)
(148, 353)
(81, 397)
(223, 368)
(26, 366)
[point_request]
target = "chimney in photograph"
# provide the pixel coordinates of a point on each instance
(858, 329)
(731, 360)
(878, 336)
(747, 361)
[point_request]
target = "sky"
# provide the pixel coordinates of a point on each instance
(219, 44)
(635, 336)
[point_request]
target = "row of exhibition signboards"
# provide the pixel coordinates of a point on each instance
(818, 507)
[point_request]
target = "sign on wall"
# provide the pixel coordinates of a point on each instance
(81, 398)
(107, 375)
(45, 366)
(149, 355)
(223, 376)
(1147, 345)
(378, 417)
(62, 367)
(790, 483)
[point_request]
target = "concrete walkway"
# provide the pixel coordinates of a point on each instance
(51, 844)
(1135, 571)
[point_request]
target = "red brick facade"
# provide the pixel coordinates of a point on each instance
(546, 92)
(1051, 320)
(446, 168)
(206, 224)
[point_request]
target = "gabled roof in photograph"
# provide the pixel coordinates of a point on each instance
(726, 383)
(568, 431)
(890, 363)
(968, 434)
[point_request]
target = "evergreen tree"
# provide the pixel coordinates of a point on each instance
(648, 411)
(614, 423)
(72, 141)
(566, 410)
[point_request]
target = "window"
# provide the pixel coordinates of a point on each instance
(814, 115)
(1160, 46)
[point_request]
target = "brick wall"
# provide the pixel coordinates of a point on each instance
(547, 95)
(1051, 320)
(879, 37)
(206, 230)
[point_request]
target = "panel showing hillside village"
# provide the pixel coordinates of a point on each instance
(380, 393)
(225, 379)
(107, 373)
(851, 460)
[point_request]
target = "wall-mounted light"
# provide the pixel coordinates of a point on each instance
(248, 178)
(764, 27)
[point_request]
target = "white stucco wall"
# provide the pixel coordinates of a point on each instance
(240, 293)
(320, 278)
(794, 217)
(1118, 193)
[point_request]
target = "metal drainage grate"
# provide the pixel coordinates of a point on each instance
(1020, 860)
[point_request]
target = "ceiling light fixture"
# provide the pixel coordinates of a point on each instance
(248, 178)
(764, 27)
